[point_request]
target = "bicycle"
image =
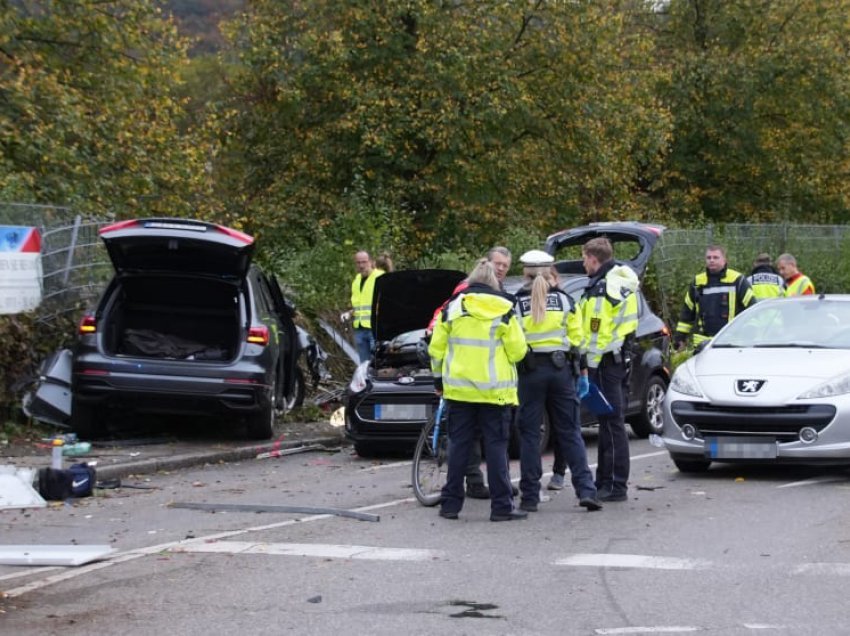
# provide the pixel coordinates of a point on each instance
(431, 457)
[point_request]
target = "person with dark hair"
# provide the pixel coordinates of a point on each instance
(552, 379)
(474, 348)
(714, 297)
(384, 262)
(764, 279)
(609, 310)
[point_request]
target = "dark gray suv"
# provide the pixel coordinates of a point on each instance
(187, 325)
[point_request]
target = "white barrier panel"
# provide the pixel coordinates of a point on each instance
(20, 269)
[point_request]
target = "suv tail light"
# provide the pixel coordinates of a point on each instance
(259, 335)
(88, 324)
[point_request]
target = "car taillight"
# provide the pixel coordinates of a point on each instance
(120, 225)
(259, 335)
(88, 324)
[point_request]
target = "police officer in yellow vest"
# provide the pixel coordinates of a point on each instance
(362, 293)
(609, 311)
(476, 343)
(765, 280)
(549, 377)
(714, 298)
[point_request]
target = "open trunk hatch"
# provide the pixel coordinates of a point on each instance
(177, 245)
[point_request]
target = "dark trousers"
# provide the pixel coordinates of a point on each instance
(474, 476)
(469, 421)
(549, 388)
(612, 467)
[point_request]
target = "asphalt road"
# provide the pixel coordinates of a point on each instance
(735, 551)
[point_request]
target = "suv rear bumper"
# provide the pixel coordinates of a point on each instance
(170, 394)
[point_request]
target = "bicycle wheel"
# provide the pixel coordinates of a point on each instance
(430, 464)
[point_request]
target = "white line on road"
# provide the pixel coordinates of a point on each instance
(660, 629)
(330, 551)
(821, 569)
(812, 481)
(632, 561)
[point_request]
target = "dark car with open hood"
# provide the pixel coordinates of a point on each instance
(187, 325)
(391, 396)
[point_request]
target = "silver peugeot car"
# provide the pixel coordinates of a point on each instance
(772, 387)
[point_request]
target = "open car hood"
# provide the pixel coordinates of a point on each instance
(406, 300)
(177, 245)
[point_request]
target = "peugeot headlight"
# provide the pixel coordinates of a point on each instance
(839, 385)
(360, 379)
(684, 382)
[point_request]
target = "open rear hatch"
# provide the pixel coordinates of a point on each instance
(177, 245)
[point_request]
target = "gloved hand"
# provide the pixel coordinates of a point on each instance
(345, 316)
(438, 386)
(582, 386)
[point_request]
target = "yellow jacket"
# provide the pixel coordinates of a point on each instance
(362, 294)
(474, 348)
(609, 310)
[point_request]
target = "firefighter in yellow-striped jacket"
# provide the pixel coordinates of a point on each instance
(714, 298)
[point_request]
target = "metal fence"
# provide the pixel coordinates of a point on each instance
(822, 253)
(76, 267)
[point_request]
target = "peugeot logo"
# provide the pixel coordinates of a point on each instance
(749, 387)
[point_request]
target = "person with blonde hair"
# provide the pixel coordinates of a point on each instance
(553, 377)
(474, 348)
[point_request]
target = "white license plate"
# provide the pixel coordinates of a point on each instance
(740, 448)
(399, 412)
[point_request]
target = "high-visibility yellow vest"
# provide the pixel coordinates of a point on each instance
(361, 299)
(476, 344)
(561, 328)
(800, 285)
(609, 309)
(766, 284)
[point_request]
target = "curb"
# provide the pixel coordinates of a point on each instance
(174, 462)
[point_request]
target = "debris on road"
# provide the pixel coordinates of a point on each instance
(311, 510)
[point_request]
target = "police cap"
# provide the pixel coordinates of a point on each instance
(536, 258)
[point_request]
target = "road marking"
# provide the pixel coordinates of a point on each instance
(659, 629)
(812, 481)
(366, 552)
(632, 561)
(821, 569)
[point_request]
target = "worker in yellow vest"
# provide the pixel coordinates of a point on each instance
(796, 283)
(362, 293)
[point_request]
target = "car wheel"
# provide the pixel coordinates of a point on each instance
(691, 465)
(514, 441)
(296, 398)
(649, 420)
(261, 424)
(365, 449)
(86, 420)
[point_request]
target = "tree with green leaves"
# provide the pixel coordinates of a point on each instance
(466, 119)
(88, 113)
(760, 96)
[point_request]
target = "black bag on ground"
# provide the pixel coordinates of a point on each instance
(78, 480)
